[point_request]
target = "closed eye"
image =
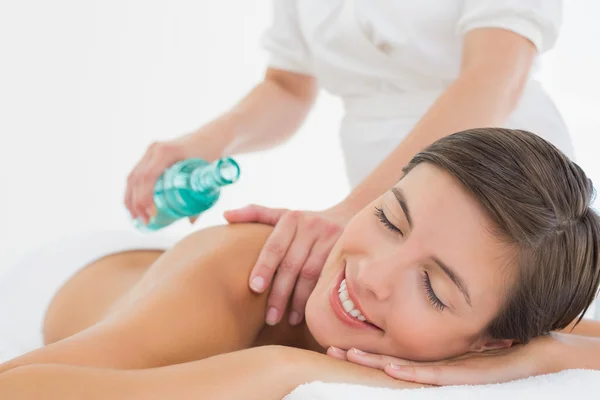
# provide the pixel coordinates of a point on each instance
(431, 296)
(385, 221)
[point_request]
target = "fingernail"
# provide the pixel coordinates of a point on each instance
(359, 352)
(295, 318)
(394, 366)
(272, 316)
(257, 284)
(336, 350)
(150, 211)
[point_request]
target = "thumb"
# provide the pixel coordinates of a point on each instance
(254, 213)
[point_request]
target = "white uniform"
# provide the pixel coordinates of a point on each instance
(390, 59)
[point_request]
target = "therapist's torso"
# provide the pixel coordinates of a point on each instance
(389, 61)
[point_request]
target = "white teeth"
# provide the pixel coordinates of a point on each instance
(342, 286)
(355, 313)
(343, 296)
(347, 303)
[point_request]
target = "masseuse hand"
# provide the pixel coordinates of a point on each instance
(204, 143)
(540, 356)
(296, 249)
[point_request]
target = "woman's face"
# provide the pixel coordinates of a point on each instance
(420, 266)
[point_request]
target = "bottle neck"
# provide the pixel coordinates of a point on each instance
(210, 178)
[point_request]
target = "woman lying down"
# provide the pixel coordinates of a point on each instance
(487, 242)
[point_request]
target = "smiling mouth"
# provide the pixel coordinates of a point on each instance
(349, 304)
(345, 308)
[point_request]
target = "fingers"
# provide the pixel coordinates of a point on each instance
(432, 374)
(310, 272)
(336, 352)
(370, 360)
(288, 271)
(272, 253)
(136, 180)
(254, 213)
(406, 370)
(472, 368)
(297, 249)
(132, 182)
(442, 375)
(141, 181)
(377, 361)
(143, 195)
(457, 371)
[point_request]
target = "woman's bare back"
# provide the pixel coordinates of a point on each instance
(89, 295)
(146, 308)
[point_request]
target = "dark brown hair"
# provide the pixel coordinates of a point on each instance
(538, 201)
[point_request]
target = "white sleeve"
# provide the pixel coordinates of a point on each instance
(284, 41)
(536, 20)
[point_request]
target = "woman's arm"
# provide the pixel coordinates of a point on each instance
(495, 68)
(263, 373)
(585, 327)
(543, 355)
(576, 352)
(267, 116)
(579, 347)
(192, 303)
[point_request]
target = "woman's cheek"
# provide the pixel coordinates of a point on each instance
(414, 321)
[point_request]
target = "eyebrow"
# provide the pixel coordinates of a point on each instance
(457, 280)
(402, 201)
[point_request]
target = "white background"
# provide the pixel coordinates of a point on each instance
(86, 85)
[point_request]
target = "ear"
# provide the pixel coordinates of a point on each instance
(492, 344)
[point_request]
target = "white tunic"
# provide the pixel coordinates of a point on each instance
(390, 59)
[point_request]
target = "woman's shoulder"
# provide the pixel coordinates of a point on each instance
(225, 253)
(231, 252)
(228, 236)
(243, 236)
(227, 248)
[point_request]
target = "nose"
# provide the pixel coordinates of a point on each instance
(376, 275)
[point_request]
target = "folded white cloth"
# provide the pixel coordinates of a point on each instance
(573, 384)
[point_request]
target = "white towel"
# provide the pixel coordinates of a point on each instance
(572, 384)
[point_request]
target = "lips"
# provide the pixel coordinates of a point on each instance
(341, 313)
